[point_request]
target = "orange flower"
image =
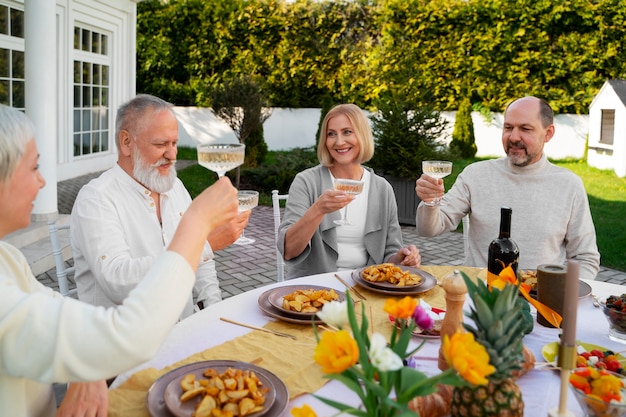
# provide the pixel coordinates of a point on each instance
(336, 352)
(467, 357)
(304, 411)
(402, 309)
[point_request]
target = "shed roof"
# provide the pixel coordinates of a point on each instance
(620, 89)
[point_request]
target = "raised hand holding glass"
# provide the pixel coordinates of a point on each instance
(436, 169)
(352, 187)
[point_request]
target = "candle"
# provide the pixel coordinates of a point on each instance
(570, 305)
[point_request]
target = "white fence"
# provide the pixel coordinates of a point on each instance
(296, 128)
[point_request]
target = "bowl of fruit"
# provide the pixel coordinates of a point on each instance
(614, 309)
(600, 393)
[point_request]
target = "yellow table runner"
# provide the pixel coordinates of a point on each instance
(278, 354)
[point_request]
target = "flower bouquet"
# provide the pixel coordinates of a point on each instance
(377, 371)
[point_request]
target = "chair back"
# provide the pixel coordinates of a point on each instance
(280, 262)
(62, 271)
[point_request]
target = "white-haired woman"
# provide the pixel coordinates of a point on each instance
(46, 338)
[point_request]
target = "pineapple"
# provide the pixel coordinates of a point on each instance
(500, 325)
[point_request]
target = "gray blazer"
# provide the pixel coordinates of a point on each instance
(383, 236)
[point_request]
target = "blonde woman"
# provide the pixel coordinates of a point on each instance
(309, 239)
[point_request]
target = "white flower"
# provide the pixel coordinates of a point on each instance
(335, 314)
(381, 356)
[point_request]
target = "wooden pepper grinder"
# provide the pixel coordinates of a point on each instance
(455, 289)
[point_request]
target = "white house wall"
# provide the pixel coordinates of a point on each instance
(296, 128)
(117, 19)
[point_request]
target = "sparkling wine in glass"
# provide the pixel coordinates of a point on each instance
(248, 200)
(352, 187)
(221, 157)
(436, 169)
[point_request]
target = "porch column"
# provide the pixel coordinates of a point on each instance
(40, 68)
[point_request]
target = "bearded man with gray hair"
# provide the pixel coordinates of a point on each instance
(123, 220)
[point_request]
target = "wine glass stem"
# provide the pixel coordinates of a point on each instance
(345, 215)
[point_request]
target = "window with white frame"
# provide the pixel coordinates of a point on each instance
(12, 57)
(607, 127)
(91, 109)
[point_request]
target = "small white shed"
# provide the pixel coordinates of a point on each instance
(607, 128)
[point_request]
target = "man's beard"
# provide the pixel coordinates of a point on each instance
(148, 175)
(517, 160)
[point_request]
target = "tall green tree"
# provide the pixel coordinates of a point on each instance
(463, 140)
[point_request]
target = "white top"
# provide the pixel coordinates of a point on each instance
(116, 237)
(46, 338)
(350, 244)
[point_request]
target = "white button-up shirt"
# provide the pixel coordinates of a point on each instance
(116, 237)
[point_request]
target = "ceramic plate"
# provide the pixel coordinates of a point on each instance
(428, 283)
(173, 391)
(282, 314)
(276, 295)
(550, 350)
(384, 285)
(155, 400)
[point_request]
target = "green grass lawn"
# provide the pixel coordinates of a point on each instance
(606, 191)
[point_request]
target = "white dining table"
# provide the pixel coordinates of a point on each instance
(540, 387)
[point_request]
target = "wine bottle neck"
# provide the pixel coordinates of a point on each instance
(505, 223)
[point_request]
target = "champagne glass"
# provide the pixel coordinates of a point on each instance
(248, 200)
(352, 187)
(436, 169)
(221, 157)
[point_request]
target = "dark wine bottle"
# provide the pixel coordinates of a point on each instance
(503, 251)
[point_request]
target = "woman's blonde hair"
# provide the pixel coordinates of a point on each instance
(361, 126)
(16, 130)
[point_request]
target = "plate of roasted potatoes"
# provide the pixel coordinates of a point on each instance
(221, 389)
(303, 300)
(389, 278)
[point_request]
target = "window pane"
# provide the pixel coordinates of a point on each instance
(95, 143)
(5, 62)
(95, 120)
(96, 74)
(18, 64)
(76, 123)
(96, 97)
(104, 45)
(105, 75)
(85, 41)
(105, 97)
(76, 37)
(86, 120)
(95, 42)
(86, 144)
(77, 96)
(77, 72)
(86, 73)
(104, 141)
(104, 118)
(4, 20)
(4, 92)
(77, 145)
(87, 96)
(18, 95)
(17, 23)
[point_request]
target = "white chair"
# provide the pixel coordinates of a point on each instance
(280, 262)
(57, 251)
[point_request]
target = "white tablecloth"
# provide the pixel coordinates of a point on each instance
(540, 387)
